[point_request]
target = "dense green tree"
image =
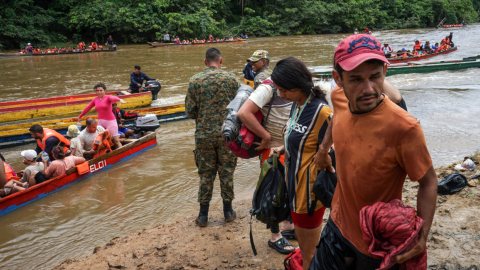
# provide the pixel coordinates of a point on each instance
(44, 22)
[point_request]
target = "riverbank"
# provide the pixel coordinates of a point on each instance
(453, 243)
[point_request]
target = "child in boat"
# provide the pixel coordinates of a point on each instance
(75, 143)
(58, 167)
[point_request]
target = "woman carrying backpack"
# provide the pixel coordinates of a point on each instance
(303, 133)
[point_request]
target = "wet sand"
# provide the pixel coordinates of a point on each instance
(453, 243)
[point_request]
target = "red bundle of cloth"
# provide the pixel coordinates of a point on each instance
(391, 229)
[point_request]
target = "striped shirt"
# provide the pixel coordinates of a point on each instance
(303, 143)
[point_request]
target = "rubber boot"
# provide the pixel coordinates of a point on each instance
(228, 212)
(202, 219)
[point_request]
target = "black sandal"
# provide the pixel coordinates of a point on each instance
(290, 235)
(280, 245)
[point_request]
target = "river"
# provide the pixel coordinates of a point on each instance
(160, 185)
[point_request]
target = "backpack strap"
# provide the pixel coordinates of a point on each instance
(251, 238)
(275, 160)
(274, 96)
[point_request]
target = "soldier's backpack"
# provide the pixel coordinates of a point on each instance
(270, 202)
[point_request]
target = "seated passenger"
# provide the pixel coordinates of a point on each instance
(47, 139)
(7, 174)
(29, 158)
(87, 137)
(121, 114)
(58, 167)
(435, 48)
(75, 143)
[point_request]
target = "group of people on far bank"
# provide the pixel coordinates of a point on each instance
(375, 142)
(210, 39)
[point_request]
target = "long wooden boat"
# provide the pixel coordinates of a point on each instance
(452, 25)
(130, 149)
(419, 57)
(158, 44)
(56, 107)
(406, 68)
(8, 55)
(18, 134)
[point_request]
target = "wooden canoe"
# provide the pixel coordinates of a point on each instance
(406, 68)
(56, 107)
(18, 134)
(153, 44)
(132, 148)
(394, 60)
(7, 55)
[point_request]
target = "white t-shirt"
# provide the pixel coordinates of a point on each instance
(28, 171)
(76, 144)
(87, 138)
(278, 114)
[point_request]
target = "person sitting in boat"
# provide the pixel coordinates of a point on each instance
(9, 183)
(210, 38)
(58, 167)
(444, 46)
(87, 137)
(29, 48)
(426, 48)
(121, 114)
(75, 143)
(355, 32)
(403, 53)
(166, 37)
(136, 80)
(29, 158)
(417, 46)
(231, 38)
(387, 50)
(102, 144)
(47, 139)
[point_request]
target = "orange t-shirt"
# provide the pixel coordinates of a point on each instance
(374, 152)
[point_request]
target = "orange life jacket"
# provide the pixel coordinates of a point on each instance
(47, 133)
(9, 173)
(417, 46)
(415, 53)
(102, 142)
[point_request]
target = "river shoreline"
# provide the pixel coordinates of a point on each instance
(453, 243)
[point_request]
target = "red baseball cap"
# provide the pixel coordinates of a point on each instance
(356, 49)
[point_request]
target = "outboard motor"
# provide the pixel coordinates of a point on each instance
(146, 123)
(154, 87)
(238, 138)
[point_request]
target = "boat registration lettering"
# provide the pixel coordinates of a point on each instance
(100, 165)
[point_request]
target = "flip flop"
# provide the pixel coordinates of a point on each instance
(290, 235)
(280, 245)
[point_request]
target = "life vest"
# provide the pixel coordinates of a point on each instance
(102, 143)
(418, 47)
(249, 82)
(405, 55)
(47, 133)
(9, 173)
(415, 53)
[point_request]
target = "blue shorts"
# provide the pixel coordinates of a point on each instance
(122, 130)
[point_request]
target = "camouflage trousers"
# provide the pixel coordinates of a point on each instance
(211, 156)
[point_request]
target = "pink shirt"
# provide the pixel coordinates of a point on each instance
(59, 167)
(103, 107)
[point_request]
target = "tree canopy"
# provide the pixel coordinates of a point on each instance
(44, 22)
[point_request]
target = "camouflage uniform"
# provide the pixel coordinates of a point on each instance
(207, 98)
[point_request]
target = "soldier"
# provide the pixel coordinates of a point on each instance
(260, 61)
(207, 98)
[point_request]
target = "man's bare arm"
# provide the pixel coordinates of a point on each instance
(426, 202)
(247, 116)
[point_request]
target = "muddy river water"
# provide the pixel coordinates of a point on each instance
(160, 185)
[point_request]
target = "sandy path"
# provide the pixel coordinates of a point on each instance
(454, 241)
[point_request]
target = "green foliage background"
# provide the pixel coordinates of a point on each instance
(45, 22)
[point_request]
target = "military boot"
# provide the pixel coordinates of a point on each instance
(202, 219)
(228, 212)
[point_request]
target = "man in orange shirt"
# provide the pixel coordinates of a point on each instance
(377, 144)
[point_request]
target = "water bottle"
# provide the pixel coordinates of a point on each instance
(45, 156)
(79, 126)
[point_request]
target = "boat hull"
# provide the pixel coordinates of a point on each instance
(96, 165)
(18, 134)
(174, 44)
(61, 106)
(419, 57)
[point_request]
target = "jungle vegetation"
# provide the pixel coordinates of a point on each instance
(45, 22)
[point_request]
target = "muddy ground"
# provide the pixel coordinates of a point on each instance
(453, 243)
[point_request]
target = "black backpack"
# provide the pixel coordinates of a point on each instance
(324, 186)
(270, 203)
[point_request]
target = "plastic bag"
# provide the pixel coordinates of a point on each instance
(452, 184)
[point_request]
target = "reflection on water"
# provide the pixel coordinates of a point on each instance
(160, 185)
